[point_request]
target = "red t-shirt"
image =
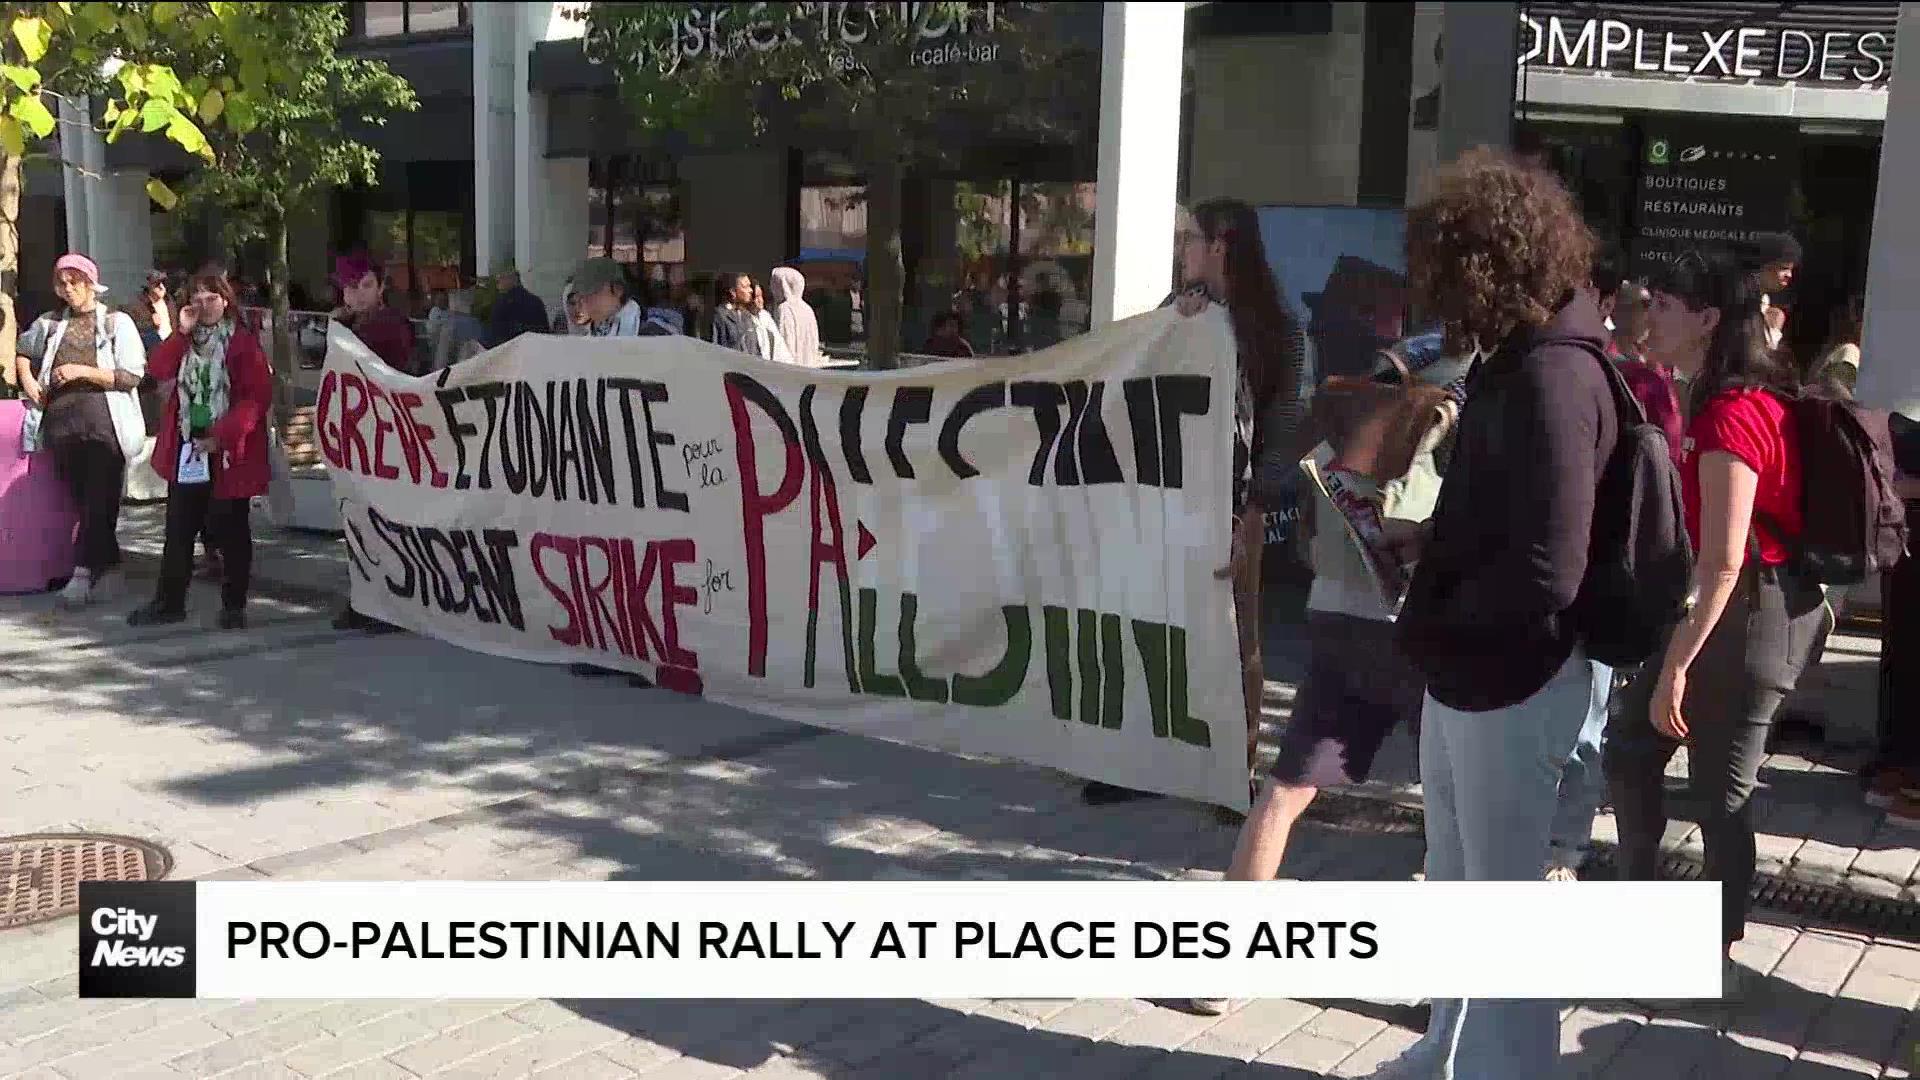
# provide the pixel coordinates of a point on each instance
(1752, 425)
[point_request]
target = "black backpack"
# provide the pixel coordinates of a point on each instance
(1855, 523)
(1639, 560)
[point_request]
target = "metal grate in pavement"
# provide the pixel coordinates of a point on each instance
(40, 873)
(1801, 900)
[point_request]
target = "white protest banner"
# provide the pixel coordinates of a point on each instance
(1011, 556)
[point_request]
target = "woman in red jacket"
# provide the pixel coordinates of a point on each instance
(211, 448)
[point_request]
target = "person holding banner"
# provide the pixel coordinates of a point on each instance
(598, 295)
(211, 449)
(389, 335)
(1223, 260)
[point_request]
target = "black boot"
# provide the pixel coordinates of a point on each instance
(156, 614)
(233, 618)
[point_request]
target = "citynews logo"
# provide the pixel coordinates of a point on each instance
(137, 939)
(118, 951)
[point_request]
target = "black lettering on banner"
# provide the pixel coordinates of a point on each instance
(971, 404)
(1045, 399)
(911, 405)
(1146, 429)
(852, 407)
(596, 446)
(625, 388)
(457, 430)
(1086, 451)
(439, 573)
(405, 587)
(451, 600)
(536, 438)
(1178, 396)
(651, 394)
(568, 443)
(490, 395)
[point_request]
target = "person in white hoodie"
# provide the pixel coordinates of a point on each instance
(795, 318)
(772, 345)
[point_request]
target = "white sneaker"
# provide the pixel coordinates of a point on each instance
(1210, 1006)
(1562, 873)
(79, 590)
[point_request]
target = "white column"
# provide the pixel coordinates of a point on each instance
(1889, 368)
(549, 226)
(107, 212)
(1139, 161)
(499, 33)
(1477, 74)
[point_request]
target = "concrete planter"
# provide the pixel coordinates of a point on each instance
(314, 509)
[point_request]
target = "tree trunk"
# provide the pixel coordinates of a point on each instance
(885, 273)
(285, 362)
(9, 268)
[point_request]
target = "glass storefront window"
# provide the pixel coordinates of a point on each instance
(392, 19)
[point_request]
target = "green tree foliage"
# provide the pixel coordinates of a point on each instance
(292, 148)
(732, 73)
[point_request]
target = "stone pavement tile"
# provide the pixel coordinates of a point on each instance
(1249, 1030)
(259, 1044)
(540, 1051)
(1389, 1044)
(1305, 1050)
(1161, 1028)
(636, 1054)
(1818, 962)
(1342, 1026)
(1593, 1035)
(1865, 1021)
(373, 1069)
(1664, 1048)
(594, 1066)
(1094, 1018)
(1893, 958)
(1040, 1009)
(100, 1028)
(1827, 1067)
(370, 1040)
(1175, 1065)
(459, 1043)
(244, 1016)
(1819, 861)
(1734, 1054)
(785, 1068)
(689, 1068)
(152, 1047)
(1852, 824)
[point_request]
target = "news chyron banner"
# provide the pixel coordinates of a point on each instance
(897, 939)
(1009, 556)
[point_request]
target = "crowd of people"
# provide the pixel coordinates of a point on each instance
(1545, 373)
(1506, 511)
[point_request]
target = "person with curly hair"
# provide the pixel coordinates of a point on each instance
(1499, 255)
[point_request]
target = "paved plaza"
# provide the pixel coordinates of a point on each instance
(294, 751)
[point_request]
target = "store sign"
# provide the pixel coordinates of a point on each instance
(947, 36)
(1731, 52)
(1710, 183)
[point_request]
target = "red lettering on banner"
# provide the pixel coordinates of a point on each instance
(611, 604)
(375, 398)
(423, 436)
(756, 506)
(353, 409)
(327, 432)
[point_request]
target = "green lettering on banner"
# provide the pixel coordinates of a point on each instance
(1113, 695)
(919, 686)
(1089, 652)
(997, 687)
(1059, 668)
(1164, 653)
(871, 681)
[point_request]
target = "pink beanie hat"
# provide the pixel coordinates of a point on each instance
(83, 265)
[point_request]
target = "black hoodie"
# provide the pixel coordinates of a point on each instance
(1486, 615)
